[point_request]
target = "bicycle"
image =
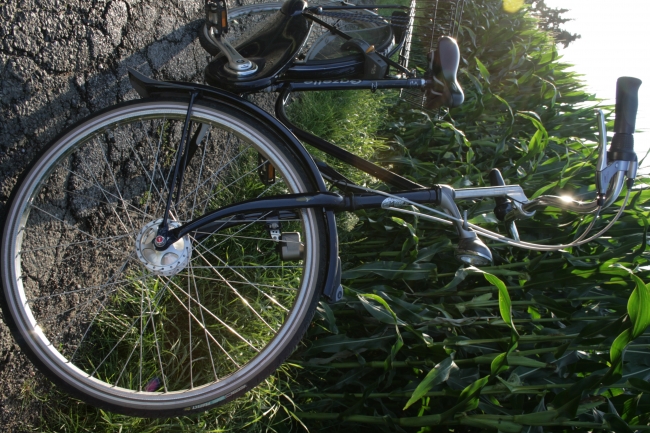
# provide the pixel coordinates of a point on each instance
(165, 255)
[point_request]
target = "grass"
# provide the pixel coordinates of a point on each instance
(350, 119)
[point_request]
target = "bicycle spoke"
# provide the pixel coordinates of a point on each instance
(119, 194)
(83, 232)
(209, 334)
(71, 244)
(107, 203)
(269, 297)
(205, 329)
(268, 286)
(230, 328)
(82, 290)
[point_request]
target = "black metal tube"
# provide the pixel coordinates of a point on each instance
(354, 84)
(258, 209)
(164, 226)
(221, 224)
(346, 7)
(368, 201)
(265, 204)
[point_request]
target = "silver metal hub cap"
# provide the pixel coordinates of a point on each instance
(167, 262)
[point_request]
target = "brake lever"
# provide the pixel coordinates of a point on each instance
(504, 206)
(606, 172)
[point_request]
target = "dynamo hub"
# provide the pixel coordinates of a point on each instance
(167, 262)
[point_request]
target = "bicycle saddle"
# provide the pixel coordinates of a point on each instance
(271, 46)
(443, 69)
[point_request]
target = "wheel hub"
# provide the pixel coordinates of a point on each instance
(167, 262)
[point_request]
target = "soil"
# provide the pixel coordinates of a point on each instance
(59, 61)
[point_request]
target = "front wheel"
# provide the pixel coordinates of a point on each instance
(148, 333)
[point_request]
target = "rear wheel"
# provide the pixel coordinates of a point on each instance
(150, 333)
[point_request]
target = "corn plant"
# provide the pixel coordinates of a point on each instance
(536, 342)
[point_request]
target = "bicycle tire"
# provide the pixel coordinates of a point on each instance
(321, 45)
(96, 319)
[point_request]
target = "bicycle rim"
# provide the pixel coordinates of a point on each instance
(86, 297)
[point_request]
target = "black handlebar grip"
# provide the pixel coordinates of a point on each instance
(627, 103)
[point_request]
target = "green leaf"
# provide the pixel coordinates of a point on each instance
(437, 375)
(327, 314)
(570, 408)
(382, 315)
(639, 384)
(381, 312)
(468, 399)
(638, 307)
(558, 309)
(537, 417)
(616, 424)
(459, 277)
(630, 407)
(576, 390)
(505, 304)
(616, 352)
(490, 424)
(426, 254)
(499, 364)
(483, 70)
(392, 270)
(602, 329)
(338, 343)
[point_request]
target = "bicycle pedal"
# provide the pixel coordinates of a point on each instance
(216, 13)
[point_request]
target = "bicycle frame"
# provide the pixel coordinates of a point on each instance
(511, 199)
(283, 207)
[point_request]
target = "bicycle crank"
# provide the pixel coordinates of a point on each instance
(167, 262)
